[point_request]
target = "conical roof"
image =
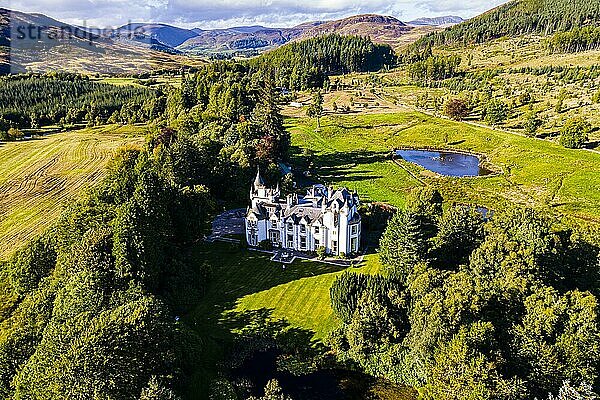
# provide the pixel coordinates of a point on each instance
(258, 181)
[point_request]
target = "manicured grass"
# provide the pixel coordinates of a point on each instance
(353, 151)
(37, 177)
(244, 282)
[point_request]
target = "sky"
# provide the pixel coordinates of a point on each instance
(209, 14)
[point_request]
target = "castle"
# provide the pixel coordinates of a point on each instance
(323, 218)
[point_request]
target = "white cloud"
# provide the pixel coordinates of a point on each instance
(222, 13)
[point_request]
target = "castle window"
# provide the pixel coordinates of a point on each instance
(334, 247)
(354, 229)
(290, 226)
(316, 230)
(302, 228)
(303, 242)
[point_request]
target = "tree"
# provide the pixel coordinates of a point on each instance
(268, 122)
(315, 109)
(31, 264)
(460, 232)
(496, 112)
(570, 392)
(348, 288)
(376, 325)
(462, 369)
(403, 244)
(531, 123)
(157, 391)
(559, 338)
(457, 109)
(574, 133)
(287, 183)
(15, 134)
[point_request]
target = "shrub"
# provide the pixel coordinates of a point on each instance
(321, 252)
(266, 245)
(532, 123)
(575, 133)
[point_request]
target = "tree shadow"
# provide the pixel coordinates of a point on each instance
(331, 168)
(217, 320)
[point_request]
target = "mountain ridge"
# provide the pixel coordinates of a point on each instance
(436, 21)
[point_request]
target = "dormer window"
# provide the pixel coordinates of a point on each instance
(302, 228)
(290, 226)
(317, 230)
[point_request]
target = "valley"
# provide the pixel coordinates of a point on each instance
(116, 158)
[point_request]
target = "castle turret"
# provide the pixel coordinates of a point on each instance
(258, 181)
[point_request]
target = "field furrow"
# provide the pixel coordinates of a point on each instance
(38, 177)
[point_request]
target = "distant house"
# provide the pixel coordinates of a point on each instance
(295, 104)
(323, 218)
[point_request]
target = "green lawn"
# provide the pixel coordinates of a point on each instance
(353, 151)
(243, 282)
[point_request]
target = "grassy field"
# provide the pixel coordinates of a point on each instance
(354, 151)
(37, 177)
(243, 283)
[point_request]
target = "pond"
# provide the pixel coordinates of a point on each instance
(445, 162)
(323, 384)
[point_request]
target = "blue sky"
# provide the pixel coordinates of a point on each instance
(223, 13)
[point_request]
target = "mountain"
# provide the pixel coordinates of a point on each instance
(381, 29)
(142, 46)
(238, 39)
(436, 21)
(166, 35)
(518, 17)
(55, 45)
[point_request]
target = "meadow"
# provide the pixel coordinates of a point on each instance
(39, 176)
(354, 150)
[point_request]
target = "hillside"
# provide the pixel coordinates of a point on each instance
(381, 29)
(152, 45)
(167, 35)
(519, 17)
(436, 21)
(61, 46)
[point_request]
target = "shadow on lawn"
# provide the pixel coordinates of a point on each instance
(236, 273)
(223, 329)
(336, 167)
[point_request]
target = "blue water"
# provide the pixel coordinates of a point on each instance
(444, 162)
